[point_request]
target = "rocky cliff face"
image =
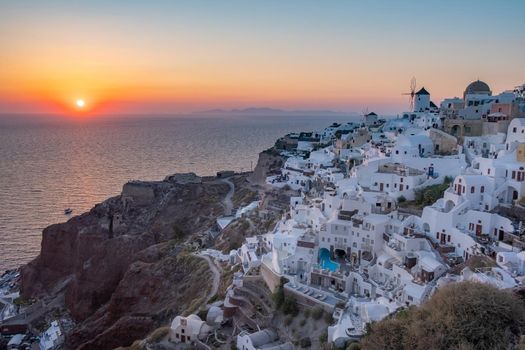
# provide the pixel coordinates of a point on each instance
(121, 267)
(268, 163)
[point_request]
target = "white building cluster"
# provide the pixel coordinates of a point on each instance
(346, 245)
(350, 244)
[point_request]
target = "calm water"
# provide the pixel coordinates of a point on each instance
(48, 166)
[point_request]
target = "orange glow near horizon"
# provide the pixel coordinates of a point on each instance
(176, 57)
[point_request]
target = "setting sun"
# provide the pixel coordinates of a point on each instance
(80, 103)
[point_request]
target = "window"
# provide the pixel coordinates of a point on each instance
(514, 130)
(472, 189)
(488, 171)
(482, 189)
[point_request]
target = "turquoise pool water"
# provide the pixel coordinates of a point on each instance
(325, 262)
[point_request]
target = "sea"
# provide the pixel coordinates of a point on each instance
(51, 163)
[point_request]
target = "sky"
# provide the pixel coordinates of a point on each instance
(182, 56)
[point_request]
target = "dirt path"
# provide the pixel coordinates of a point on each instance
(227, 201)
(216, 277)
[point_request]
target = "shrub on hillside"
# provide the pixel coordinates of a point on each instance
(290, 306)
(305, 342)
(317, 313)
(463, 315)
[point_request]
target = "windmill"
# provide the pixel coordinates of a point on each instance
(412, 93)
(364, 112)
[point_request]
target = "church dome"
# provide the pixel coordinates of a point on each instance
(478, 87)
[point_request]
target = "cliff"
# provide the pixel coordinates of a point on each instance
(268, 163)
(121, 269)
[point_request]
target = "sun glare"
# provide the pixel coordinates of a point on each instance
(80, 103)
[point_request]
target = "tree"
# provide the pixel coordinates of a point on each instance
(463, 315)
(278, 295)
(290, 306)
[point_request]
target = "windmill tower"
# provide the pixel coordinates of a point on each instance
(412, 93)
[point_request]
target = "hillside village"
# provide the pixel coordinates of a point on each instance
(387, 212)
(350, 224)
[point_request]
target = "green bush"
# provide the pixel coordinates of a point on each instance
(305, 342)
(328, 318)
(278, 295)
(290, 306)
(323, 338)
(401, 199)
(353, 346)
(317, 313)
(303, 322)
(462, 315)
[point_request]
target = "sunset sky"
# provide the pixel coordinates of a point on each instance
(181, 56)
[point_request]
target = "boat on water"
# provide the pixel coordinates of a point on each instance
(68, 211)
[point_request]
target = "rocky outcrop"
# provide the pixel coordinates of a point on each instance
(268, 163)
(121, 267)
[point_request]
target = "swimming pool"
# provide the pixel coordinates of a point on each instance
(325, 262)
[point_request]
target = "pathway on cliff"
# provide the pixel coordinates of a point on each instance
(216, 278)
(227, 202)
(228, 199)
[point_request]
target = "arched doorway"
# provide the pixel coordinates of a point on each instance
(511, 194)
(340, 255)
(449, 205)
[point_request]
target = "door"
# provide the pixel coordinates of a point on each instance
(401, 187)
(443, 238)
(478, 230)
(381, 187)
(183, 338)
